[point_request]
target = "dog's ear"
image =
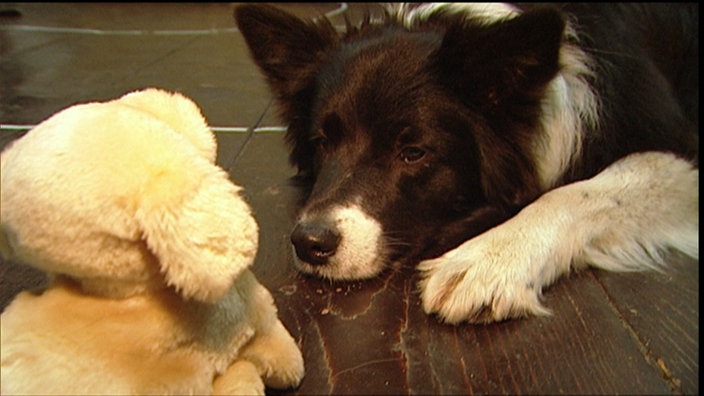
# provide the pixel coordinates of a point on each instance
(501, 71)
(289, 52)
(198, 227)
(505, 62)
(286, 48)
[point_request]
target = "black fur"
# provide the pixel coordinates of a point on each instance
(647, 62)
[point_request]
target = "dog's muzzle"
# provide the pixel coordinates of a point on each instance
(341, 242)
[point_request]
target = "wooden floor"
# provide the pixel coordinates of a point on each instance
(609, 333)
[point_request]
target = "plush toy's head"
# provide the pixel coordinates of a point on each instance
(124, 196)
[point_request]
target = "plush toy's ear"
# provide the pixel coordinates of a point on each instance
(179, 112)
(199, 228)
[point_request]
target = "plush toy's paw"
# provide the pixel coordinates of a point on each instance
(289, 372)
(277, 357)
(285, 362)
(495, 276)
(241, 378)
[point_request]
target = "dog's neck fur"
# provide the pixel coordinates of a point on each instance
(569, 111)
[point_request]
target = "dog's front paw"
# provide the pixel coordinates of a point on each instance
(492, 277)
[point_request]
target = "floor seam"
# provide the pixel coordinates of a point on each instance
(248, 137)
(650, 357)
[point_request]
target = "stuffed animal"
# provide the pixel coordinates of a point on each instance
(148, 244)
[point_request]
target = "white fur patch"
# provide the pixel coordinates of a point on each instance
(490, 12)
(360, 253)
(570, 108)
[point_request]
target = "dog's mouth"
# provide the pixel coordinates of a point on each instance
(342, 243)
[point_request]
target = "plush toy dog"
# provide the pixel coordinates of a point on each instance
(148, 244)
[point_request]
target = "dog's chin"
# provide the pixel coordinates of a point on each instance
(340, 270)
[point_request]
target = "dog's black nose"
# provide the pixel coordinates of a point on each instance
(314, 243)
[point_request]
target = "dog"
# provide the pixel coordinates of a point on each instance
(497, 147)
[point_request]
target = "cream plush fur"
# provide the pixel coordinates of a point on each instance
(148, 244)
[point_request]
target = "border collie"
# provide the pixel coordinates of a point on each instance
(496, 147)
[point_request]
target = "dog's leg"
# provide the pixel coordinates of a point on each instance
(277, 357)
(619, 220)
(241, 378)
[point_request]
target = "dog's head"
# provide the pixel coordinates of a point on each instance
(415, 132)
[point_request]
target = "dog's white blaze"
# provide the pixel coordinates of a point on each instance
(360, 253)
(489, 12)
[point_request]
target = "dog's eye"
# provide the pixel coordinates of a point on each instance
(321, 142)
(412, 154)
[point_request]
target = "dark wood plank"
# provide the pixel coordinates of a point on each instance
(662, 312)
